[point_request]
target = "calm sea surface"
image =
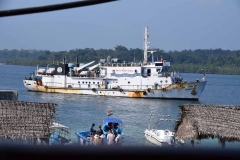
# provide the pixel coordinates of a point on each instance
(79, 111)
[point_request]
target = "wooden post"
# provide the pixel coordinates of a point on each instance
(222, 143)
(34, 141)
(192, 143)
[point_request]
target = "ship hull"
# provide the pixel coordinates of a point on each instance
(175, 91)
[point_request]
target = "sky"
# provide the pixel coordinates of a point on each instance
(173, 25)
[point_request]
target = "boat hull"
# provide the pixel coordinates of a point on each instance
(175, 91)
(160, 139)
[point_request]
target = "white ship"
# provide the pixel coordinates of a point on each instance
(114, 77)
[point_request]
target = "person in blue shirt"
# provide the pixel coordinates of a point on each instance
(91, 129)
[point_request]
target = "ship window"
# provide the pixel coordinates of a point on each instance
(78, 81)
(135, 71)
(89, 82)
(83, 82)
(93, 82)
(128, 82)
(158, 64)
(97, 82)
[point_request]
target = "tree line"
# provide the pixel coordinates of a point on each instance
(214, 61)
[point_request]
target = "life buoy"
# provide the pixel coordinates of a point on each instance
(69, 86)
(121, 90)
(164, 89)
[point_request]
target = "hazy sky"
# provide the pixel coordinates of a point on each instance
(173, 25)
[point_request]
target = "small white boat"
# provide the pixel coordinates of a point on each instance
(160, 137)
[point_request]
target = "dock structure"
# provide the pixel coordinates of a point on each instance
(25, 120)
(199, 121)
(9, 95)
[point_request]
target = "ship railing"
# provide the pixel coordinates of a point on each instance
(156, 74)
(73, 85)
(84, 86)
(122, 64)
(100, 86)
(143, 87)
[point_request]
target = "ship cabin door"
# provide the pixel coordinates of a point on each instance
(103, 72)
(105, 84)
(148, 72)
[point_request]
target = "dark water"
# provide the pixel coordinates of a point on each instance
(79, 111)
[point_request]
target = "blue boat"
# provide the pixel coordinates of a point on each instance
(60, 135)
(112, 123)
(85, 138)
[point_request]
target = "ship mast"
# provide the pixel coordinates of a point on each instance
(145, 49)
(146, 35)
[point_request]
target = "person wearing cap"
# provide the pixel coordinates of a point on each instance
(97, 140)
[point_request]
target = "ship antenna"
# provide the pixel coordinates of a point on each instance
(152, 55)
(149, 120)
(204, 74)
(77, 63)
